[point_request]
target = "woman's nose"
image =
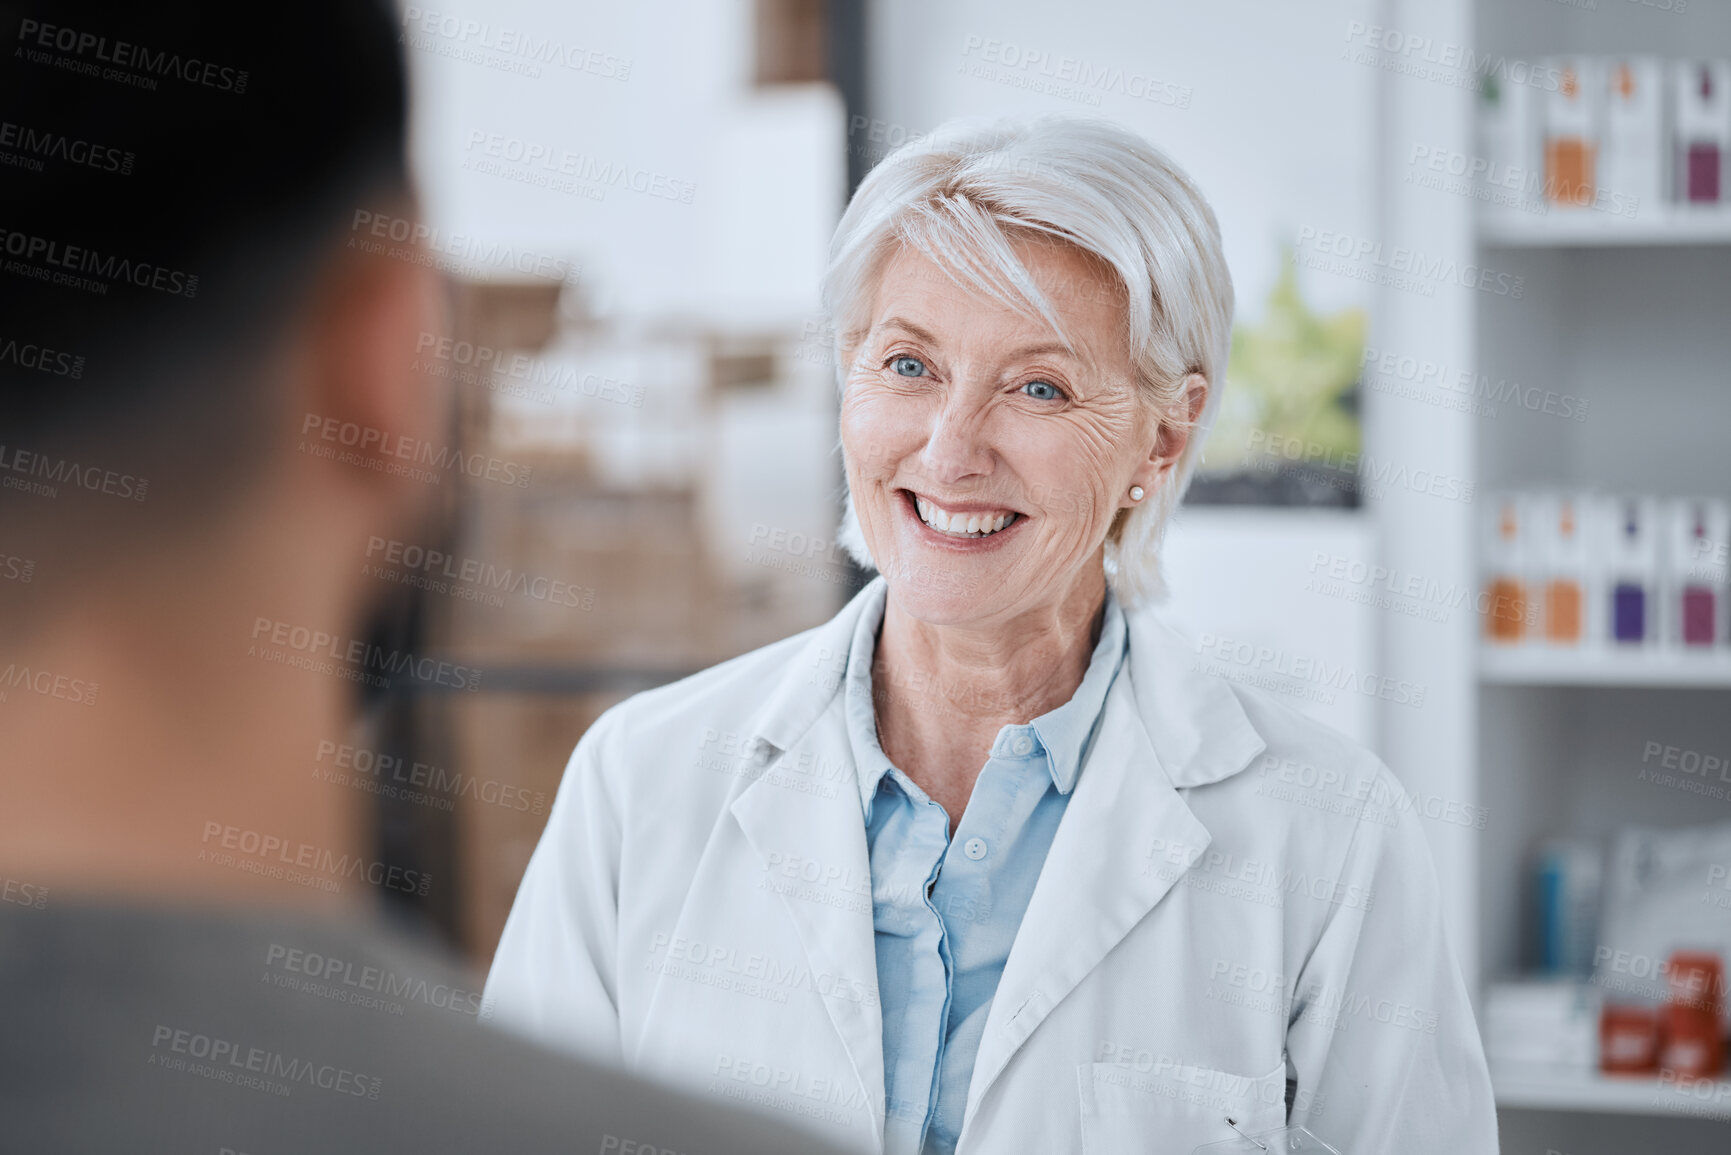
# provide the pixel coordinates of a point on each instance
(957, 446)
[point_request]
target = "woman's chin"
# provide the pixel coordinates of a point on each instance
(946, 591)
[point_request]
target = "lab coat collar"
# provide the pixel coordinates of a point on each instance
(1194, 720)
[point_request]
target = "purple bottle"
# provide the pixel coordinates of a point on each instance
(1629, 598)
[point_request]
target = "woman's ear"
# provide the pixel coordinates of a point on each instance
(1174, 433)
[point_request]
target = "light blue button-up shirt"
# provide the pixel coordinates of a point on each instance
(946, 908)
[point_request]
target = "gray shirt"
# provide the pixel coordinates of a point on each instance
(159, 1030)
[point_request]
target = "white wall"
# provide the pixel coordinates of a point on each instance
(765, 169)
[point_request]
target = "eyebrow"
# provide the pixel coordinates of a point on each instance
(1024, 351)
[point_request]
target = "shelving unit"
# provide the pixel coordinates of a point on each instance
(1585, 228)
(1566, 1089)
(1631, 314)
(1545, 666)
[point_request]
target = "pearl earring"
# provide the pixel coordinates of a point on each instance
(1136, 493)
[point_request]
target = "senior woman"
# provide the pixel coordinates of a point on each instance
(981, 865)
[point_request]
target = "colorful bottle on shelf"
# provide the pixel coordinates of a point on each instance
(1566, 564)
(1505, 589)
(1632, 155)
(1701, 112)
(1632, 567)
(1571, 142)
(1696, 560)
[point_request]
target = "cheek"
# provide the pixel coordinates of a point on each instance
(879, 429)
(1071, 480)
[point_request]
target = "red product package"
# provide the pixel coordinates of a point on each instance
(1692, 1041)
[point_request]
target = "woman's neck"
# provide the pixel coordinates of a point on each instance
(941, 693)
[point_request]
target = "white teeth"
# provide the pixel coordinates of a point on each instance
(958, 524)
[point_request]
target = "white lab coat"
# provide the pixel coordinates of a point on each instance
(1237, 897)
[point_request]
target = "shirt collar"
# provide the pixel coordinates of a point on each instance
(1066, 732)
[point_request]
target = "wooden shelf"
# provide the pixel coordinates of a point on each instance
(1586, 228)
(1539, 1088)
(1537, 665)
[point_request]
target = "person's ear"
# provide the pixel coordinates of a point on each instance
(1172, 436)
(372, 317)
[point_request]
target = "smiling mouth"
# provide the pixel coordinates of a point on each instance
(963, 524)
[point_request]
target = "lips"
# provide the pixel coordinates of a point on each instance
(963, 523)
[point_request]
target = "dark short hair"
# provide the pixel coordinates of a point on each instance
(173, 176)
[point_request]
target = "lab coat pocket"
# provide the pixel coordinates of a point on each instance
(1171, 1109)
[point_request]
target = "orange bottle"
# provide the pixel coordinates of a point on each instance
(1506, 598)
(1563, 610)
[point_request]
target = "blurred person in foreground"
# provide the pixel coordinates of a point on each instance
(1021, 876)
(185, 964)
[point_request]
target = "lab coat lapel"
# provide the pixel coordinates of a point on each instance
(1125, 826)
(1100, 878)
(805, 808)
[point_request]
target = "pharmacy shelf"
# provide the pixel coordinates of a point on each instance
(1536, 665)
(1585, 228)
(1544, 1088)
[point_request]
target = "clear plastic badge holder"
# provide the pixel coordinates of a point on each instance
(1281, 1141)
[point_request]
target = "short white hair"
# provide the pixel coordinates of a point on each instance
(962, 193)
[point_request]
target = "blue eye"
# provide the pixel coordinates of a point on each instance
(909, 366)
(1041, 390)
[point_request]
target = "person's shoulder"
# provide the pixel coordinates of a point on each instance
(696, 735)
(727, 687)
(1322, 789)
(314, 1033)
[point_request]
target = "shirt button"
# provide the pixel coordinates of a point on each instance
(1022, 744)
(974, 848)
